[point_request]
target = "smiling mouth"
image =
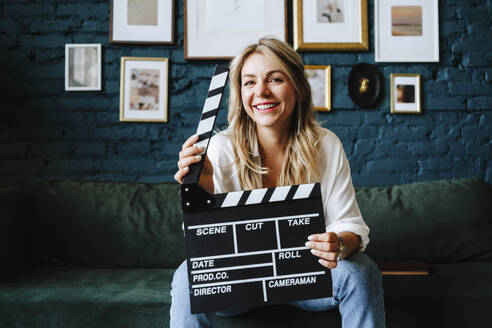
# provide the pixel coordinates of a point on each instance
(264, 108)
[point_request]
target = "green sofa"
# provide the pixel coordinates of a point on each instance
(97, 254)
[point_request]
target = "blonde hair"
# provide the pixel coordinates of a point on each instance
(300, 164)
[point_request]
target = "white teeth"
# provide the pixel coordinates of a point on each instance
(262, 107)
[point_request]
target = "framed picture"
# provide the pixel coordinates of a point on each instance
(141, 21)
(218, 29)
(330, 25)
(319, 77)
(143, 89)
(406, 30)
(82, 67)
(405, 94)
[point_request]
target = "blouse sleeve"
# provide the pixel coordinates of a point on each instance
(221, 155)
(340, 205)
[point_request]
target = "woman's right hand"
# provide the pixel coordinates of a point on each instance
(190, 154)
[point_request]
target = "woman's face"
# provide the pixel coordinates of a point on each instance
(268, 95)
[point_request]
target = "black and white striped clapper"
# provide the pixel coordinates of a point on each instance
(247, 248)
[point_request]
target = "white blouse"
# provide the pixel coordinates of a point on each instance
(337, 192)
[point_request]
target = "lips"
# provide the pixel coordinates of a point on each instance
(266, 107)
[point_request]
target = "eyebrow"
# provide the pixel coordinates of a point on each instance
(267, 74)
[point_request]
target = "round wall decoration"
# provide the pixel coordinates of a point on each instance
(365, 85)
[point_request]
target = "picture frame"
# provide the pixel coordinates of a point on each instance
(405, 94)
(141, 21)
(217, 29)
(406, 30)
(319, 77)
(144, 89)
(83, 67)
(335, 25)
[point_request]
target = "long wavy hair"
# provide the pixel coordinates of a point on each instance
(300, 163)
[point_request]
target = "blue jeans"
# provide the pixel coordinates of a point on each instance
(357, 292)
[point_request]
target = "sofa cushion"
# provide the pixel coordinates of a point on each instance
(101, 224)
(453, 295)
(77, 297)
(11, 247)
(62, 297)
(437, 222)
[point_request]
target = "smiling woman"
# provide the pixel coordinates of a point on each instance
(267, 94)
(274, 73)
(274, 140)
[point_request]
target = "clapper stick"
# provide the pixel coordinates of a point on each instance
(193, 196)
(246, 248)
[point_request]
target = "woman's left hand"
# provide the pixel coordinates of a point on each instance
(324, 246)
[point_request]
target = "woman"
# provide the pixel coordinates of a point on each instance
(273, 140)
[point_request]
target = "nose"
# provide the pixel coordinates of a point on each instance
(261, 89)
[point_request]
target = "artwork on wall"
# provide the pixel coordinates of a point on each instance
(405, 94)
(82, 67)
(365, 84)
(217, 29)
(406, 30)
(143, 89)
(330, 25)
(141, 21)
(319, 77)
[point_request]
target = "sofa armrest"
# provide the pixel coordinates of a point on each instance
(403, 268)
(11, 246)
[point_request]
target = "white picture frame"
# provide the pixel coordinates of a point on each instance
(405, 94)
(218, 29)
(406, 30)
(83, 67)
(144, 89)
(142, 21)
(333, 25)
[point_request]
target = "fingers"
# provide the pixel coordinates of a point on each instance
(191, 150)
(328, 264)
(329, 256)
(326, 236)
(188, 155)
(187, 161)
(326, 259)
(190, 141)
(184, 167)
(324, 246)
(180, 174)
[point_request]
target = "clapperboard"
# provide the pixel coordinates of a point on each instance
(246, 248)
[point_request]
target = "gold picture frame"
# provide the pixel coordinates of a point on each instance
(405, 94)
(314, 34)
(144, 89)
(319, 77)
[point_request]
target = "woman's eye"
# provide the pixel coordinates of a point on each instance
(247, 83)
(275, 80)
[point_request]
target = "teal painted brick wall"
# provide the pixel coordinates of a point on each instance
(47, 133)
